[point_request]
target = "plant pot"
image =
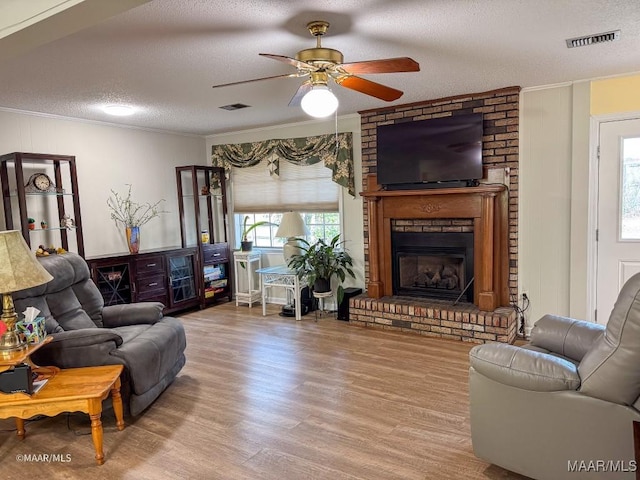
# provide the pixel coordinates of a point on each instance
(246, 246)
(321, 285)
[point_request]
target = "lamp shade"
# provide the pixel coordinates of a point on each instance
(19, 268)
(292, 225)
(319, 102)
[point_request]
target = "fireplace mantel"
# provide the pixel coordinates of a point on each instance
(486, 205)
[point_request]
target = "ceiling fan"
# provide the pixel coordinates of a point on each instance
(320, 64)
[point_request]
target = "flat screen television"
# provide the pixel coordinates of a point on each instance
(427, 153)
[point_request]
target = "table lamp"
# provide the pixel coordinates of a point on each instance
(19, 270)
(290, 227)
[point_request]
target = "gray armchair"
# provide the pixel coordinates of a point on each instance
(86, 333)
(562, 406)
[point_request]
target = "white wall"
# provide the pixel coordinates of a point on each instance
(554, 160)
(352, 220)
(109, 157)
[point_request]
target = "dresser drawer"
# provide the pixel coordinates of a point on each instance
(215, 253)
(154, 296)
(152, 283)
(150, 265)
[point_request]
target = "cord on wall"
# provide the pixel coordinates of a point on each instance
(520, 312)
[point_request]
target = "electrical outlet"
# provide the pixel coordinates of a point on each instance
(525, 296)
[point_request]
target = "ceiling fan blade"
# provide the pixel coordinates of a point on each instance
(291, 61)
(297, 98)
(387, 65)
(369, 88)
(286, 75)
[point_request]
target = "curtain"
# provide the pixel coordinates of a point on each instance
(335, 150)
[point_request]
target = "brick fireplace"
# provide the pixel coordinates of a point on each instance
(401, 294)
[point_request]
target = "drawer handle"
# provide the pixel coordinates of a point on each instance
(217, 254)
(154, 284)
(151, 264)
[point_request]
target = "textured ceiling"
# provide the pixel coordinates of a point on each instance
(163, 56)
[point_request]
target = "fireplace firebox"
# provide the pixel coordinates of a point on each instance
(436, 265)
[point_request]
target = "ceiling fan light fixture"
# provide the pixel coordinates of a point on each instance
(319, 102)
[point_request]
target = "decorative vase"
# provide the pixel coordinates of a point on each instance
(246, 246)
(133, 239)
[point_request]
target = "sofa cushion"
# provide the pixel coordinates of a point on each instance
(565, 336)
(67, 310)
(609, 370)
(129, 332)
(153, 351)
(522, 368)
(73, 301)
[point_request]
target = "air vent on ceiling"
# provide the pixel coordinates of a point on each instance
(593, 39)
(234, 106)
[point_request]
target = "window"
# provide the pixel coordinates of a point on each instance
(297, 188)
(325, 225)
(630, 190)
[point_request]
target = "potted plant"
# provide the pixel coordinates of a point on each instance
(245, 244)
(32, 223)
(320, 262)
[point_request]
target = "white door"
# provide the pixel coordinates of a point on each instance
(618, 246)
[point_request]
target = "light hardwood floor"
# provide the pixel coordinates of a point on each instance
(272, 398)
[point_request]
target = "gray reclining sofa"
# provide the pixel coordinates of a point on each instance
(86, 333)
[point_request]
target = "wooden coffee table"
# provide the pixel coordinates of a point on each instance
(70, 390)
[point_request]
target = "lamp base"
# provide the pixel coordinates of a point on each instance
(11, 342)
(290, 248)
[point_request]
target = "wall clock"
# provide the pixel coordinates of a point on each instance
(39, 183)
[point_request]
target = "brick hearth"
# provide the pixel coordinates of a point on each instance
(433, 318)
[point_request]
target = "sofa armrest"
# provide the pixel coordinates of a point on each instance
(79, 348)
(526, 369)
(566, 336)
(84, 337)
(132, 314)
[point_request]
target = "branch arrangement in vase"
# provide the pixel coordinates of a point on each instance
(132, 214)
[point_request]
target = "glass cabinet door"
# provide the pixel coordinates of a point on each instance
(183, 282)
(114, 284)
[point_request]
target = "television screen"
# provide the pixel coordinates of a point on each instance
(435, 150)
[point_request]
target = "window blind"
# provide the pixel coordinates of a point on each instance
(297, 188)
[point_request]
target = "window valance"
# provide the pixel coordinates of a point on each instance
(335, 150)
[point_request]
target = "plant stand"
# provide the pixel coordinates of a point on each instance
(321, 297)
(246, 264)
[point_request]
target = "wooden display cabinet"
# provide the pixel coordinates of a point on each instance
(166, 276)
(43, 187)
(202, 206)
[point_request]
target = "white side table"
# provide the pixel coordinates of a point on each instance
(247, 263)
(281, 276)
